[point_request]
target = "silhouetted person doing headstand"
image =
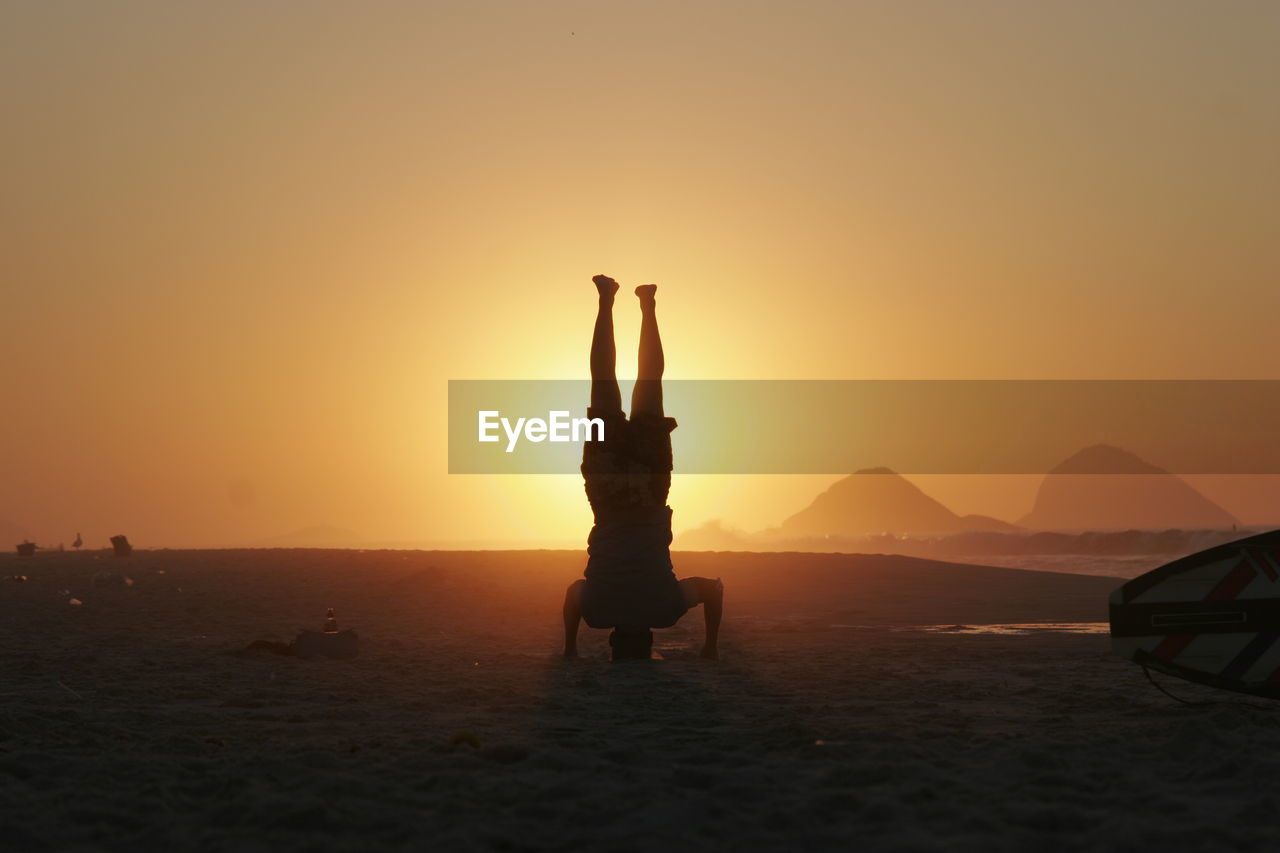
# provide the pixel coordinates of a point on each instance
(630, 585)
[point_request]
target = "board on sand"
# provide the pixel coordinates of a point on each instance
(1211, 617)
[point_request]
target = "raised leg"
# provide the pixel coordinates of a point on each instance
(646, 398)
(606, 399)
(572, 615)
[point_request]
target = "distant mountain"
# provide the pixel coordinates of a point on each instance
(878, 500)
(1107, 488)
(319, 536)
(713, 536)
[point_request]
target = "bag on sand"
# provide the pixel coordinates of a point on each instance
(314, 644)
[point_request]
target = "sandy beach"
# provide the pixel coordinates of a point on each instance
(835, 720)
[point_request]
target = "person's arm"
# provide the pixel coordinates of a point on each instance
(711, 591)
(572, 615)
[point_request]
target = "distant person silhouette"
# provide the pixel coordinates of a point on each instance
(76, 544)
(629, 583)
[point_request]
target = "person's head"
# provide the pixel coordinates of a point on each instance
(631, 643)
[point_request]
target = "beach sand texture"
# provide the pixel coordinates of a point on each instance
(831, 722)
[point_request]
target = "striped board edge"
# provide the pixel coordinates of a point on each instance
(1212, 617)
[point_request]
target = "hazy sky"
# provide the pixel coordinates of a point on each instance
(245, 244)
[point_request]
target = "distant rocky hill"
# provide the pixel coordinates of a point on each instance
(1107, 488)
(1102, 488)
(714, 535)
(878, 500)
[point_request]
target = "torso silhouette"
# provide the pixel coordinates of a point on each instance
(630, 581)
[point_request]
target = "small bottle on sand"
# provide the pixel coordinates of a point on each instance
(330, 622)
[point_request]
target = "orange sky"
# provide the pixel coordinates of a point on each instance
(245, 245)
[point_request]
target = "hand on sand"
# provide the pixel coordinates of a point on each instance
(605, 285)
(710, 653)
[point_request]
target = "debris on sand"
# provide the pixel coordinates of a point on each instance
(274, 647)
(120, 545)
(308, 645)
(314, 644)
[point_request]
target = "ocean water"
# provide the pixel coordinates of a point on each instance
(1075, 564)
(1000, 629)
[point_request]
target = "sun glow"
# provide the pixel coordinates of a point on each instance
(270, 279)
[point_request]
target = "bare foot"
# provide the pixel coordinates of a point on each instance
(647, 292)
(605, 285)
(710, 653)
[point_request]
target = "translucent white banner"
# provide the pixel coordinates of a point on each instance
(912, 427)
